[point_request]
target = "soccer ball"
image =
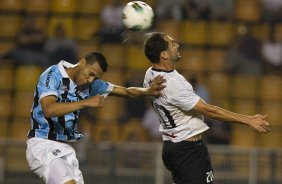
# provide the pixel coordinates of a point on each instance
(137, 16)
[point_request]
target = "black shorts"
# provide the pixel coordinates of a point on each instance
(188, 161)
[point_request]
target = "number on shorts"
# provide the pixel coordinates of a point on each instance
(209, 176)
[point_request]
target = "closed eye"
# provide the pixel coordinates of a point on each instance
(96, 77)
(92, 74)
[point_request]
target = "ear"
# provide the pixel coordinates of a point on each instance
(164, 55)
(82, 62)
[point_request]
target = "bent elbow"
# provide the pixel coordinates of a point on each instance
(48, 112)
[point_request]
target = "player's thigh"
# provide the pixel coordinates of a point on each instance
(188, 162)
(60, 172)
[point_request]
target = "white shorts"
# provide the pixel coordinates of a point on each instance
(54, 162)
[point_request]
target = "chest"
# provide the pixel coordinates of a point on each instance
(70, 93)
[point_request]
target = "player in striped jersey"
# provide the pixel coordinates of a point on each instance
(62, 90)
(181, 111)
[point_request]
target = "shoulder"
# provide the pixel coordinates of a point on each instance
(176, 80)
(51, 75)
(99, 83)
(100, 87)
(177, 86)
(51, 71)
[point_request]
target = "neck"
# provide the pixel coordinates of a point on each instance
(71, 72)
(162, 66)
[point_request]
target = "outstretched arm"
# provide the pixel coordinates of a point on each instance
(257, 122)
(154, 90)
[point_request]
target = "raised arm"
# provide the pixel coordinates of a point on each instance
(154, 90)
(257, 122)
(52, 108)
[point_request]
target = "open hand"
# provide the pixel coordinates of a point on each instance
(259, 123)
(157, 85)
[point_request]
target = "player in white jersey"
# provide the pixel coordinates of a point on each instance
(62, 90)
(181, 112)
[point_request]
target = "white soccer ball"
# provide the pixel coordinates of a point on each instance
(137, 16)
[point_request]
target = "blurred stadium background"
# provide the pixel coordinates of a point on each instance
(124, 152)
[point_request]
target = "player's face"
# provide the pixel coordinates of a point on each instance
(173, 49)
(88, 73)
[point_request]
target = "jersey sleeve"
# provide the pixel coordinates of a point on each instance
(101, 87)
(181, 94)
(48, 84)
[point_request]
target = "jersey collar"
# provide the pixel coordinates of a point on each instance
(62, 65)
(160, 70)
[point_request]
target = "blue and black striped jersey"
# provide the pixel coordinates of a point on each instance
(55, 81)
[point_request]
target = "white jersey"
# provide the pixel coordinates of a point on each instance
(178, 121)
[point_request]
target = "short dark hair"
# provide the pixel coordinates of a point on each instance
(154, 45)
(93, 57)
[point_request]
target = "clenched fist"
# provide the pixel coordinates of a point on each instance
(95, 101)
